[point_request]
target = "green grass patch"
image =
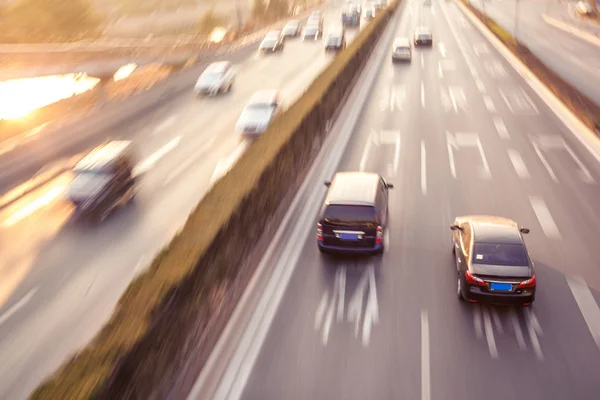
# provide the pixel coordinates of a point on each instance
(144, 342)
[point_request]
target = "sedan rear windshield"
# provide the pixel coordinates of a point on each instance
(350, 215)
(500, 254)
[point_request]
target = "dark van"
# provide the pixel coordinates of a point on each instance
(354, 214)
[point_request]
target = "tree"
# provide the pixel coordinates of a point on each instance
(277, 9)
(52, 20)
(209, 22)
(259, 8)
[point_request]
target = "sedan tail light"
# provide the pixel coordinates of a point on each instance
(529, 283)
(320, 232)
(473, 280)
(379, 235)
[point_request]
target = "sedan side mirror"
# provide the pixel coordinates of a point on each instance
(524, 230)
(389, 185)
(456, 228)
(327, 183)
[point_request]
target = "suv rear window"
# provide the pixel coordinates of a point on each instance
(349, 215)
(500, 254)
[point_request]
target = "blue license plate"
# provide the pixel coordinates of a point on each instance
(348, 236)
(505, 287)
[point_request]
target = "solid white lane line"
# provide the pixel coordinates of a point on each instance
(397, 155)
(517, 328)
(451, 159)
(17, 306)
(422, 95)
(151, 160)
(489, 333)
(544, 217)
(423, 169)
(422, 61)
(587, 177)
(533, 330)
(321, 311)
(425, 368)
(544, 162)
(480, 85)
(34, 206)
(501, 128)
(191, 160)
(342, 292)
(518, 164)
(587, 305)
(477, 321)
(365, 155)
(489, 104)
(164, 124)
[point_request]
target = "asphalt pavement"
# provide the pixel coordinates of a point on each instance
(457, 131)
(573, 58)
(61, 278)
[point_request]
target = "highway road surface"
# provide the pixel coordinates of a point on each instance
(573, 58)
(61, 279)
(457, 131)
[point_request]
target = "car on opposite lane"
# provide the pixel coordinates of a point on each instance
(492, 261)
(335, 40)
(258, 113)
(423, 36)
(272, 43)
(354, 215)
(217, 78)
(312, 32)
(291, 29)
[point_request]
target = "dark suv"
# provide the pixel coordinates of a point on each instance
(354, 214)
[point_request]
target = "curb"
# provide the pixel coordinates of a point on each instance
(584, 134)
(580, 33)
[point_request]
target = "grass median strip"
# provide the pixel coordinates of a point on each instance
(139, 351)
(582, 106)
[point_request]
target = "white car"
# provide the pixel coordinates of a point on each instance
(401, 50)
(217, 78)
(426, 2)
(312, 32)
(583, 8)
(260, 110)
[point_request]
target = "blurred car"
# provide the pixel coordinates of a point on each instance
(423, 37)
(291, 29)
(369, 12)
(426, 2)
(335, 40)
(382, 3)
(217, 78)
(401, 50)
(492, 261)
(313, 32)
(583, 8)
(315, 20)
(262, 107)
(350, 16)
(104, 180)
(354, 215)
(271, 44)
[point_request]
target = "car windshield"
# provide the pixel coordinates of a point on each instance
(268, 43)
(334, 41)
(257, 113)
(311, 30)
(349, 215)
(500, 254)
(209, 77)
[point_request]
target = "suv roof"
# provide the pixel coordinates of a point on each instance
(267, 97)
(103, 155)
(353, 188)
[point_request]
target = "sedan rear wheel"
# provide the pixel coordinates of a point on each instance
(459, 293)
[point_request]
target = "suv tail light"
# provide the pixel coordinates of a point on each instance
(473, 280)
(529, 283)
(320, 232)
(379, 235)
